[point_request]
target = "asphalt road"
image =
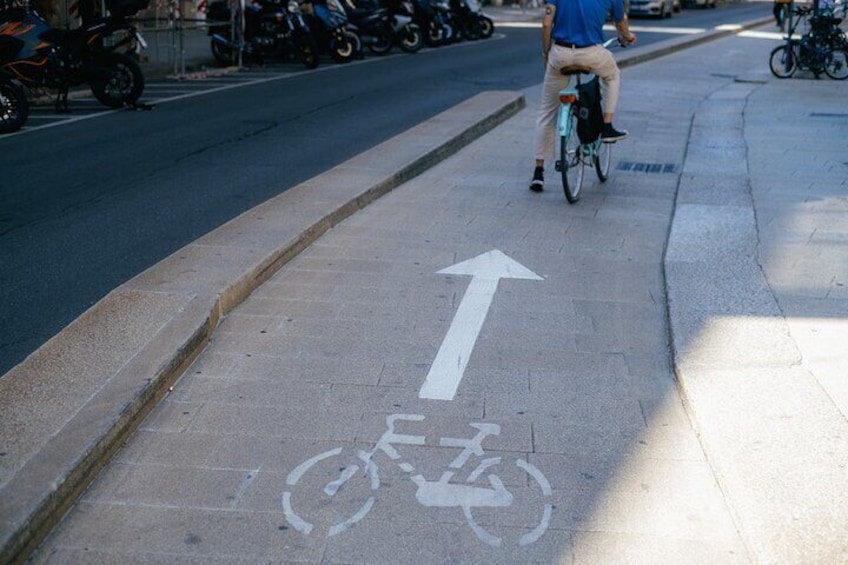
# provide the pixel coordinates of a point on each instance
(89, 204)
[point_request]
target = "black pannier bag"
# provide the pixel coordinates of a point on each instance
(590, 117)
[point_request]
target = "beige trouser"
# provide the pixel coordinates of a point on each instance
(602, 63)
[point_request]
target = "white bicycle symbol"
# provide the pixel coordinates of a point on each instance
(440, 493)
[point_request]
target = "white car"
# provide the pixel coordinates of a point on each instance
(658, 8)
(701, 3)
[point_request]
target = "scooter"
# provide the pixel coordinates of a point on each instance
(407, 34)
(332, 29)
(469, 20)
(270, 26)
(433, 19)
(373, 24)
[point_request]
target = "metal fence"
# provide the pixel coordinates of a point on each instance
(170, 40)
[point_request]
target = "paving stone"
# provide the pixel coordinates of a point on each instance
(650, 458)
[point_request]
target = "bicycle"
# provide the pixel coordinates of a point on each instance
(574, 153)
(817, 52)
(351, 488)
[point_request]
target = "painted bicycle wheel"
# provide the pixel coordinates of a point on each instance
(529, 496)
(330, 492)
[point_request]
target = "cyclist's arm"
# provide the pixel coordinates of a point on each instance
(624, 34)
(619, 16)
(547, 29)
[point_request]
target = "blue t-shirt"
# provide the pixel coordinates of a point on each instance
(581, 22)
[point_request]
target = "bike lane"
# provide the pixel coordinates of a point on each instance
(571, 367)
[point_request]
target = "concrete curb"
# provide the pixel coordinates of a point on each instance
(74, 401)
(125, 352)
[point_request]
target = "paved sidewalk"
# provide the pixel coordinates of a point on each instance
(757, 269)
(722, 231)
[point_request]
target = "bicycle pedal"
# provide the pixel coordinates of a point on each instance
(558, 166)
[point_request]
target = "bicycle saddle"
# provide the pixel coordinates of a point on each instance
(575, 70)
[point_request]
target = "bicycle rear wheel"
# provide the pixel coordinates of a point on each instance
(602, 158)
(570, 163)
(836, 65)
(783, 62)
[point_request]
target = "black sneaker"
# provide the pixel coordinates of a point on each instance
(538, 182)
(610, 135)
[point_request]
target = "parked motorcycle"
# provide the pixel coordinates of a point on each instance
(35, 55)
(270, 26)
(373, 24)
(407, 34)
(469, 20)
(433, 18)
(332, 29)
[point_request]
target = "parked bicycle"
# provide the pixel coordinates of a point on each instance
(349, 485)
(579, 148)
(821, 50)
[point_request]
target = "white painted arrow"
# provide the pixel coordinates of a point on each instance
(486, 270)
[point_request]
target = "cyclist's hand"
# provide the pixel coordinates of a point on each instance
(626, 40)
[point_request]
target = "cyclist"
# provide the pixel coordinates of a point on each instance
(572, 34)
(780, 9)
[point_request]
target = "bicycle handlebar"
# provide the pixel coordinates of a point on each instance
(613, 40)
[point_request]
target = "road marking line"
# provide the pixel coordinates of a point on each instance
(449, 366)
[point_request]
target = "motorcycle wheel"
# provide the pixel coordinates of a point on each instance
(487, 27)
(116, 80)
(382, 44)
(436, 34)
(308, 51)
(411, 38)
(14, 106)
(343, 49)
(451, 34)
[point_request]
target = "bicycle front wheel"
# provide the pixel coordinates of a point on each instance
(602, 159)
(571, 164)
(783, 62)
(836, 65)
(533, 501)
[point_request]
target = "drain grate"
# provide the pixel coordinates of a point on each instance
(637, 167)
